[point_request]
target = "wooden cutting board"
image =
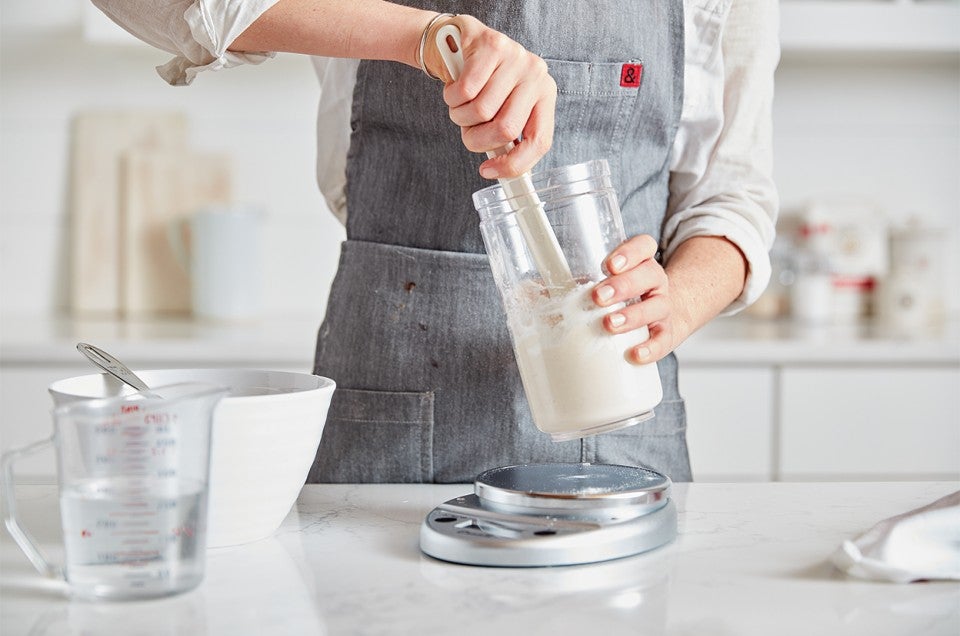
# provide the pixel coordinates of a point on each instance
(161, 187)
(99, 140)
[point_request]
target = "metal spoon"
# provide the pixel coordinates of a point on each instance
(112, 366)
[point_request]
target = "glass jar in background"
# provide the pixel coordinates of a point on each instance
(910, 298)
(577, 376)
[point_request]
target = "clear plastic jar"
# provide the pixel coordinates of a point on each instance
(577, 376)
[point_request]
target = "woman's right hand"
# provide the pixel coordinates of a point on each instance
(504, 93)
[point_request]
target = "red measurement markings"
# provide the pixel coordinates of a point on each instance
(135, 541)
(137, 558)
(134, 533)
(157, 418)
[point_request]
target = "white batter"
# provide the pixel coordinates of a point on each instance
(576, 375)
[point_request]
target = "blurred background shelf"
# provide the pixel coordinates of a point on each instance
(930, 27)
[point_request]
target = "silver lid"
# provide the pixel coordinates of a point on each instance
(565, 487)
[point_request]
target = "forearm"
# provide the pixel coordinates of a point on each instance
(362, 29)
(706, 274)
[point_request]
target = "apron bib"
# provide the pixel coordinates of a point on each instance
(415, 335)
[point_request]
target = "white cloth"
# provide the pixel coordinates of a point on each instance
(721, 165)
(923, 544)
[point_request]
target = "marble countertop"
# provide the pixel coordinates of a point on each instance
(290, 342)
(750, 559)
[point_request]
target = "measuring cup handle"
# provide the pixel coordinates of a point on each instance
(26, 542)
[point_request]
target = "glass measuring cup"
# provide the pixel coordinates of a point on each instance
(132, 473)
(577, 377)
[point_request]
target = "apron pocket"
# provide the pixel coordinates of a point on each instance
(376, 437)
(593, 110)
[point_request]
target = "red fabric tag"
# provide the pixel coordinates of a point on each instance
(630, 75)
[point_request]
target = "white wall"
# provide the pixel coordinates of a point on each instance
(264, 116)
(885, 127)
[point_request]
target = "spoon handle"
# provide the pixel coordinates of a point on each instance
(111, 365)
(521, 193)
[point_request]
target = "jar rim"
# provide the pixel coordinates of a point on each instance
(494, 195)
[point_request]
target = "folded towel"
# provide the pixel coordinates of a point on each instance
(922, 544)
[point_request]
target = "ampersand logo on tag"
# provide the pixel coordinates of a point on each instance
(630, 75)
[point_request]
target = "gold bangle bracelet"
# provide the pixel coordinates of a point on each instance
(423, 41)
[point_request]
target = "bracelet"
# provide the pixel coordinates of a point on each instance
(423, 41)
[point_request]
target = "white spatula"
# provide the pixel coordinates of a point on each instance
(531, 217)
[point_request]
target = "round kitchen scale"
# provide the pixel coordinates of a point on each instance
(553, 514)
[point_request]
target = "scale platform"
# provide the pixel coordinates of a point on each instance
(536, 515)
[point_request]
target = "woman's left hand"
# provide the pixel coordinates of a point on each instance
(639, 280)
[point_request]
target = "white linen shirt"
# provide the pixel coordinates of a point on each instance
(721, 165)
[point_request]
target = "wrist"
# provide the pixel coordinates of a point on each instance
(705, 274)
(410, 30)
(427, 37)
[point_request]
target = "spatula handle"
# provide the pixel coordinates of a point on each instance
(541, 240)
(448, 43)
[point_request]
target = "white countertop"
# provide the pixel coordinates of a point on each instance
(750, 559)
(290, 342)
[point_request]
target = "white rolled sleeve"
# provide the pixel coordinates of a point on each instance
(197, 32)
(721, 181)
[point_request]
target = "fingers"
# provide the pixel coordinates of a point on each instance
(634, 273)
(537, 138)
(636, 315)
(638, 282)
(504, 93)
(654, 348)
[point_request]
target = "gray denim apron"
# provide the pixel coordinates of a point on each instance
(415, 335)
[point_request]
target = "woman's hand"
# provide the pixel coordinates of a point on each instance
(636, 274)
(703, 276)
(503, 94)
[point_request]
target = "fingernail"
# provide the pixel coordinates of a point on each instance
(489, 173)
(643, 353)
(605, 293)
(617, 320)
(617, 262)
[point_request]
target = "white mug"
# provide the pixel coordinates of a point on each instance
(223, 259)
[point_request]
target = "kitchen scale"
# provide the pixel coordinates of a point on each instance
(535, 515)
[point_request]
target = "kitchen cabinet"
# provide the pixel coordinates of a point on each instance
(729, 421)
(872, 421)
(780, 401)
(823, 421)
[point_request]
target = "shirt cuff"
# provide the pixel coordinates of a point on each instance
(741, 233)
(213, 30)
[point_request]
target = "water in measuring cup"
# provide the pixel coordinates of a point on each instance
(130, 538)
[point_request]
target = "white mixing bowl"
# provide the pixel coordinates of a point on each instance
(264, 439)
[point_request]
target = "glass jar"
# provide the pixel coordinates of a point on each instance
(577, 377)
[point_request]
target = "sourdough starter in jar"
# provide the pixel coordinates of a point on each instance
(576, 375)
